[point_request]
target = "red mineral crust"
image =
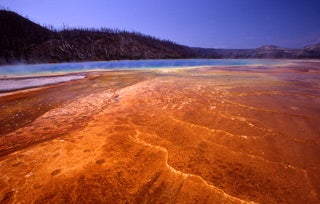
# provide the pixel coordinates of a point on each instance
(205, 135)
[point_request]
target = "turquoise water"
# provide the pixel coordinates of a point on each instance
(42, 69)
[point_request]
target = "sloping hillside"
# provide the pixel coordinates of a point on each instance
(17, 35)
(25, 41)
(82, 45)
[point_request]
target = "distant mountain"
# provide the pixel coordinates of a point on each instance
(263, 52)
(311, 51)
(22, 40)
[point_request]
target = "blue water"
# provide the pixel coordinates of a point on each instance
(43, 69)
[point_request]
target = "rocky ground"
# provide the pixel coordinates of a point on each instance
(206, 135)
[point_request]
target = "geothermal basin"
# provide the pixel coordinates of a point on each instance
(202, 134)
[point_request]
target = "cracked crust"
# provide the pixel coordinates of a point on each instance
(143, 137)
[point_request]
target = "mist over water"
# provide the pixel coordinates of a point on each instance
(46, 69)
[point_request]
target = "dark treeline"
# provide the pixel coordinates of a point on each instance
(22, 40)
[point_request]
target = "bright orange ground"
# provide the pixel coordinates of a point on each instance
(208, 135)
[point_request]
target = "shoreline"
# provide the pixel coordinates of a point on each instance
(19, 70)
(218, 59)
(8, 85)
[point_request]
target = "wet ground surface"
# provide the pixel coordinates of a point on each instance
(206, 135)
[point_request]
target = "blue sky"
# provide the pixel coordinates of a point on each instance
(197, 23)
